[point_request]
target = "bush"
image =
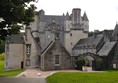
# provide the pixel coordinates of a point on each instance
(2, 57)
(80, 63)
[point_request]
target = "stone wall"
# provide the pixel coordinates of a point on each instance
(49, 58)
(72, 37)
(35, 50)
(14, 56)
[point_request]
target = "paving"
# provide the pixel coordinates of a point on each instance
(43, 74)
(33, 76)
(37, 73)
(21, 80)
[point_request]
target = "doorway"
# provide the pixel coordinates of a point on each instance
(22, 65)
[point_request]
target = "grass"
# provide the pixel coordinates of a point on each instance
(84, 77)
(8, 73)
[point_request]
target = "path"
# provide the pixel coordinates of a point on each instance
(21, 80)
(38, 76)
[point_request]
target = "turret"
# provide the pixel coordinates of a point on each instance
(67, 16)
(115, 33)
(41, 12)
(85, 23)
(85, 18)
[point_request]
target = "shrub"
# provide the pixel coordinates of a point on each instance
(79, 63)
(2, 57)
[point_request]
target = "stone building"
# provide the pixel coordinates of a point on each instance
(21, 51)
(55, 57)
(102, 46)
(14, 44)
(53, 41)
(40, 43)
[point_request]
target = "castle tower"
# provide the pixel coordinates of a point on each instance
(85, 23)
(76, 17)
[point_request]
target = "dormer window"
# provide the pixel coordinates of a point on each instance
(53, 20)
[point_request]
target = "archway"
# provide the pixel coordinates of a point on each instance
(89, 61)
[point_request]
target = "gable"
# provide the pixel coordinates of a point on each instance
(54, 47)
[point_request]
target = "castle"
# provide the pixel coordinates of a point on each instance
(55, 42)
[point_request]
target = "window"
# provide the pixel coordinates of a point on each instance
(71, 43)
(70, 34)
(48, 36)
(7, 47)
(6, 63)
(28, 48)
(27, 62)
(57, 62)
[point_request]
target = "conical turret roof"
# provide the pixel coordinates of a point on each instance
(115, 32)
(85, 18)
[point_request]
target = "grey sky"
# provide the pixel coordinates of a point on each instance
(102, 14)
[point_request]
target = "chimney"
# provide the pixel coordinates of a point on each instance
(76, 16)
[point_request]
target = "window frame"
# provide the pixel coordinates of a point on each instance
(28, 48)
(27, 62)
(57, 60)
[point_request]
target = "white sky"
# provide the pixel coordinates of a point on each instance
(102, 14)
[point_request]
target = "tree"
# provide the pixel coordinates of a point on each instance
(2, 56)
(2, 46)
(79, 63)
(13, 13)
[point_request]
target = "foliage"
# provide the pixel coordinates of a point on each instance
(8, 73)
(86, 62)
(2, 57)
(79, 63)
(13, 12)
(90, 34)
(2, 46)
(79, 77)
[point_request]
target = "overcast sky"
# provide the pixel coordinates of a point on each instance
(102, 14)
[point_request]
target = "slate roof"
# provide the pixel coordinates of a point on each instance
(85, 18)
(59, 20)
(48, 19)
(93, 40)
(16, 39)
(47, 48)
(107, 47)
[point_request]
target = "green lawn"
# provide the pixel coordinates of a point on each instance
(8, 73)
(83, 77)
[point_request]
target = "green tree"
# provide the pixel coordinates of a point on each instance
(2, 46)
(13, 13)
(79, 63)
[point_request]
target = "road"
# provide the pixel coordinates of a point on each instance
(21, 80)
